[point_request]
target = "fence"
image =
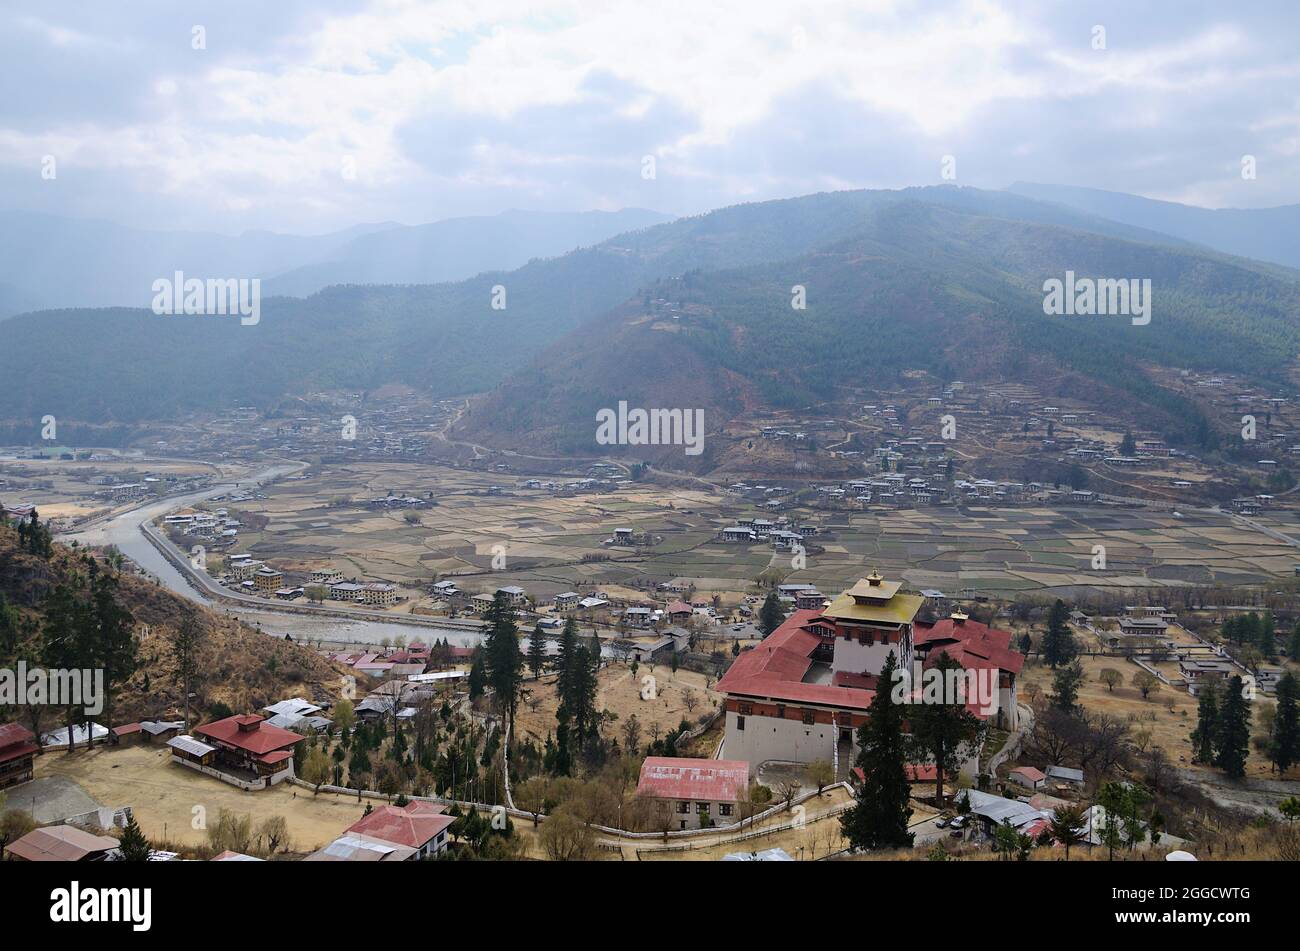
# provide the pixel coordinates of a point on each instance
(608, 830)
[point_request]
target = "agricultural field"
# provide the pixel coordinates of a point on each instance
(63, 489)
(550, 543)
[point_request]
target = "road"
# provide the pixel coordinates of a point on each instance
(132, 533)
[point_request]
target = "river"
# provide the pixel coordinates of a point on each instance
(124, 531)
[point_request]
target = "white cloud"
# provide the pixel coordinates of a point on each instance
(683, 80)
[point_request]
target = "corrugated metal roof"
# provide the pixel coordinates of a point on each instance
(190, 745)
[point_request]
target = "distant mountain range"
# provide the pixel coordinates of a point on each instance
(52, 262)
(458, 248)
(944, 279)
(1268, 234)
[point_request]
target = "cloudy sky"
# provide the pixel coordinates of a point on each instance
(310, 115)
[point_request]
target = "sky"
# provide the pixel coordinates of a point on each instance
(307, 116)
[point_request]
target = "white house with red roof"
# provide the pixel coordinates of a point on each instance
(698, 792)
(248, 744)
(418, 826)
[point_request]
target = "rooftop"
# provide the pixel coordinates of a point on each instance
(707, 780)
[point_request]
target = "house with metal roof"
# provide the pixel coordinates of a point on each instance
(62, 844)
(694, 792)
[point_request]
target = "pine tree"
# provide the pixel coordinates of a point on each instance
(1267, 634)
(477, 676)
(1207, 726)
(504, 663)
(537, 651)
(1286, 724)
(1232, 738)
(1293, 646)
(1065, 687)
(945, 734)
(1067, 826)
(113, 641)
(1058, 643)
(770, 616)
(185, 645)
(135, 847)
(880, 816)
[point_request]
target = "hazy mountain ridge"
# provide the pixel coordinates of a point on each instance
(950, 259)
(922, 286)
(1267, 234)
(48, 262)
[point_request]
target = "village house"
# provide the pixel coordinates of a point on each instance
(809, 600)
(62, 843)
(268, 580)
(679, 612)
(737, 533)
(567, 601)
(637, 617)
(326, 576)
(345, 591)
(515, 595)
(699, 792)
(1197, 674)
(419, 826)
(17, 752)
(377, 593)
(244, 746)
(355, 847)
(243, 569)
(1028, 776)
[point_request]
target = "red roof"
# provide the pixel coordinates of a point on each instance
(126, 729)
(261, 739)
(970, 643)
(843, 678)
(708, 780)
(1031, 773)
(775, 669)
(680, 607)
(16, 742)
(413, 825)
(14, 733)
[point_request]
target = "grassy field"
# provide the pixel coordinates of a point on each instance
(168, 800)
(621, 694)
(1168, 714)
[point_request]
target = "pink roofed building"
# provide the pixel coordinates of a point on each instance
(421, 826)
(695, 792)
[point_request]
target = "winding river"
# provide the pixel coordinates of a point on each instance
(126, 531)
